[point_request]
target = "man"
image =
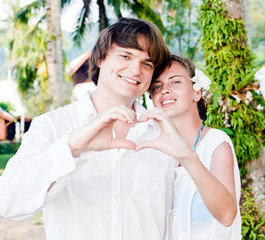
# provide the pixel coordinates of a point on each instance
(78, 163)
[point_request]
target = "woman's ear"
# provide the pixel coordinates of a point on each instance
(197, 95)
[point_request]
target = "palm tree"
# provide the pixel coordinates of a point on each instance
(57, 85)
(27, 54)
(54, 57)
(140, 8)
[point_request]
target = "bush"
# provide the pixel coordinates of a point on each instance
(252, 220)
(8, 147)
(4, 158)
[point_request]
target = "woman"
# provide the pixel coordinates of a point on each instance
(207, 185)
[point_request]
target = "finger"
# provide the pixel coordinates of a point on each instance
(128, 113)
(111, 118)
(144, 116)
(154, 113)
(146, 144)
(158, 117)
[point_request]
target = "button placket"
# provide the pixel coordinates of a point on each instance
(116, 196)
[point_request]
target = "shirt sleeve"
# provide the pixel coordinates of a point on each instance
(42, 159)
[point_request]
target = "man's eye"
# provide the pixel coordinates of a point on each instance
(148, 65)
(124, 56)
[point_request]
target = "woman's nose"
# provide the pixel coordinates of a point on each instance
(166, 90)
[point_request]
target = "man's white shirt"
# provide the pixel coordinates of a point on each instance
(112, 194)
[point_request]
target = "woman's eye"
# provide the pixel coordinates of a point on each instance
(175, 82)
(156, 87)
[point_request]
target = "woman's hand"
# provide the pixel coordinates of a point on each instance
(169, 141)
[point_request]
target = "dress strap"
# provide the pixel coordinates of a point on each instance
(198, 138)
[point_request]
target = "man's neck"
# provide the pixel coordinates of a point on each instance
(104, 100)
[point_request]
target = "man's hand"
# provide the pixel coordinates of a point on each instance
(97, 135)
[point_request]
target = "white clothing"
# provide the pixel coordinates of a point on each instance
(191, 218)
(104, 195)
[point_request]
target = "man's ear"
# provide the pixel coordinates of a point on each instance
(197, 95)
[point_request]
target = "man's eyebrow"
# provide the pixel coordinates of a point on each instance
(149, 60)
(124, 51)
(129, 53)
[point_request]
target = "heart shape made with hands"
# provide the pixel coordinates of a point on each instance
(169, 134)
(109, 130)
(120, 139)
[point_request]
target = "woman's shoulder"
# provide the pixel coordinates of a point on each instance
(215, 133)
(215, 137)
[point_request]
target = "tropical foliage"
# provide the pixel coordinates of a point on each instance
(229, 61)
(7, 106)
(252, 220)
(183, 34)
(27, 47)
(139, 8)
(233, 102)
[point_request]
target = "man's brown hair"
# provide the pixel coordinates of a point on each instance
(125, 33)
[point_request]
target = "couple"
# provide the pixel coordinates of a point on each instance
(105, 168)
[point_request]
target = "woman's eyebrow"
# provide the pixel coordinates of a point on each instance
(156, 81)
(174, 76)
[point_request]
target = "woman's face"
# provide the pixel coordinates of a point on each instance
(173, 91)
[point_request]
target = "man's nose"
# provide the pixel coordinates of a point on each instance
(135, 67)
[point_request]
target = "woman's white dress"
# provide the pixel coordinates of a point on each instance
(190, 219)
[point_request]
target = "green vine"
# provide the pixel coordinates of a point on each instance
(229, 62)
(253, 223)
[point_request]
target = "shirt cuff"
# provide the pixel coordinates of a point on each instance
(63, 162)
(61, 157)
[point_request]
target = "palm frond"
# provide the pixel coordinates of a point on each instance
(117, 7)
(142, 10)
(34, 28)
(80, 27)
(65, 3)
(103, 20)
(25, 13)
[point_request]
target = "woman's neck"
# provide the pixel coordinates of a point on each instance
(189, 128)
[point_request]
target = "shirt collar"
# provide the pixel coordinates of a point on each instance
(139, 109)
(86, 109)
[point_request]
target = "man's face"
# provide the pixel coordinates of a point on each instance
(126, 72)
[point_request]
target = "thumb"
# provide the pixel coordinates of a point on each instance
(123, 143)
(146, 144)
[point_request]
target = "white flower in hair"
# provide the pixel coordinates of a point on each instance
(201, 81)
